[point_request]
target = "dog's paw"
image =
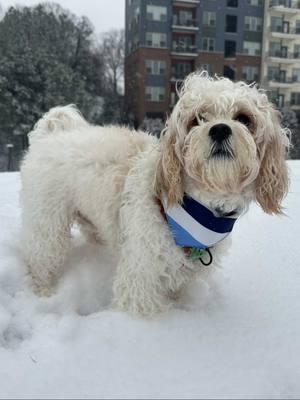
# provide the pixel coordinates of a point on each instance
(40, 288)
(42, 291)
(140, 304)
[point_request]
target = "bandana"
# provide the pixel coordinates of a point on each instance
(194, 225)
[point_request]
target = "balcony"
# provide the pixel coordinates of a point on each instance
(283, 32)
(178, 75)
(184, 25)
(283, 57)
(283, 83)
(285, 6)
(184, 50)
(186, 3)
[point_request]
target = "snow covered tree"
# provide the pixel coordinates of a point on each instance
(48, 58)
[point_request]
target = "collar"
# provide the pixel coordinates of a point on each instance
(194, 226)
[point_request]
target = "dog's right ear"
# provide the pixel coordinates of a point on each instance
(168, 179)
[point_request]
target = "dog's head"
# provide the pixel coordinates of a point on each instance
(225, 137)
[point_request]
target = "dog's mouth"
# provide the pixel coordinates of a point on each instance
(221, 151)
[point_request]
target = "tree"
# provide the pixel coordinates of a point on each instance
(48, 58)
(113, 50)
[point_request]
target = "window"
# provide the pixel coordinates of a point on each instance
(174, 98)
(155, 93)
(155, 39)
(184, 17)
(256, 3)
(297, 26)
(229, 72)
(181, 69)
(208, 67)
(276, 24)
(252, 48)
(275, 49)
(184, 44)
(208, 44)
(232, 3)
(280, 100)
(295, 99)
(253, 24)
(209, 18)
(155, 67)
(231, 23)
(250, 73)
(296, 75)
(297, 50)
(229, 49)
(156, 13)
(134, 44)
(273, 73)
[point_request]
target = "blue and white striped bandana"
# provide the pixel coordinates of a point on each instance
(194, 225)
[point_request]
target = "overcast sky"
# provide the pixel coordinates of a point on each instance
(104, 14)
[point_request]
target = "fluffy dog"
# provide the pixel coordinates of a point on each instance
(222, 145)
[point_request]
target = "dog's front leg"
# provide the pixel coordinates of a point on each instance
(151, 268)
(139, 286)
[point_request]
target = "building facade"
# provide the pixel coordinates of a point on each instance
(281, 53)
(167, 39)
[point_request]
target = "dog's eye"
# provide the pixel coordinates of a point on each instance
(196, 121)
(243, 119)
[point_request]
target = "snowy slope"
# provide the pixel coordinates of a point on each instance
(239, 338)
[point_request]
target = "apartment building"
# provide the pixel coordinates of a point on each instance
(167, 39)
(281, 53)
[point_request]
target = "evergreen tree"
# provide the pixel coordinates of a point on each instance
(48, 58)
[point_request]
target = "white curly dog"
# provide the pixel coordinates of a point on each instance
(222, 145)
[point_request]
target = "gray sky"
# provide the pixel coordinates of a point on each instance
(104, 14)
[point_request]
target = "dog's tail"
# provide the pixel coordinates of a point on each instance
(58, 119)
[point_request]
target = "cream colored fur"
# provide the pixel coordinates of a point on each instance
(107, 179)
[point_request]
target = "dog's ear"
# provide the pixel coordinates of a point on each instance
(168, 178)
(272, 181)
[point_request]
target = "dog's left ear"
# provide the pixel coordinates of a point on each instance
(272, 181)
(168, 179)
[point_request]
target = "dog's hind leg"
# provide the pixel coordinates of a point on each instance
(46, 229)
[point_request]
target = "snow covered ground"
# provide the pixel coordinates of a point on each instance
(238, 339)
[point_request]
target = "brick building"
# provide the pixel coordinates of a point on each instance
(167, 39)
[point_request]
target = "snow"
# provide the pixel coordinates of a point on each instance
(238, 338)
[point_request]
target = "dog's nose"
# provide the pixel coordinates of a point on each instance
(220, 132)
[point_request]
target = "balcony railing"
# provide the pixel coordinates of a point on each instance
(178, 75)
(289, 31)
(181, 48)
(282, 54)
(292, 102)
(286, 80)
(193, 2)
(285, 3)
(191, 23)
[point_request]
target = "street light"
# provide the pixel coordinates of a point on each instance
(9, 147)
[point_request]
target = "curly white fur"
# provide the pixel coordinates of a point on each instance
(107, 179)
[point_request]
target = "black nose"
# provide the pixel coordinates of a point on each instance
(220, 132)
